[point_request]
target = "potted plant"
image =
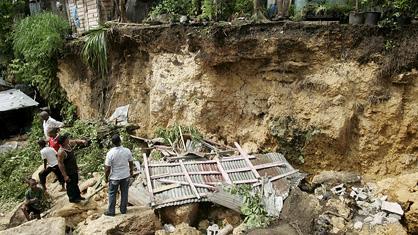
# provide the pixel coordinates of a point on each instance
(356, 17)
(372, 13)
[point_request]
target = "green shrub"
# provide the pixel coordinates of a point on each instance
(40, 36)
(94, 52)
(253, 207)
(18, 165)
(9, 12)
(37, 42)
(222, 10)
(173, 7)
(244, 6)
(172, 133)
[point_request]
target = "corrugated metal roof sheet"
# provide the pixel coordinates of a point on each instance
(15, 99)
(207, 173)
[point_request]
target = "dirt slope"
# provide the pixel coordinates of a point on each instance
(326, 95)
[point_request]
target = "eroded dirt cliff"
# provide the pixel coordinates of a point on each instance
(329, 96)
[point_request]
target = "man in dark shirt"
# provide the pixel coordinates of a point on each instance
(35, 200)
(67, 163)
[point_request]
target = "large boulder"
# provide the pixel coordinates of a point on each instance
(181, 214)
(16, 217)
(301, 209)
(404, 190)
(74, 213)
(138, 220)
(385, 229)
(335, 177)
(53, 226)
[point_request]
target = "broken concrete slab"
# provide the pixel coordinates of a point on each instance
(339, 190)
(54, 225)
(138, 220)
(392, 207)
(378, 218)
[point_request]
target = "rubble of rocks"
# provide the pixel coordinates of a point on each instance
(337, 203)
(350, 205)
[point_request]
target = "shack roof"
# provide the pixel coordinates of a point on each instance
(15, 99)
(185, 182)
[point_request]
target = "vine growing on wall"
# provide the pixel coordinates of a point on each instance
(37, 43)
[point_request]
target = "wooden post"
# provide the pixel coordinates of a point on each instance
(186, 174)
(246, 157)
(182, 140)
(223, 172)
(147, 175)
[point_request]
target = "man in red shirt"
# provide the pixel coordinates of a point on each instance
(53, 139)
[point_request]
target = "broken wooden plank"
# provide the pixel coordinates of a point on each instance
(185, 183)
(223, 172)
(238, 170)
(246, 158)
(180, 199)
(186, 174)
(166, 187)
(249, 181)
(220, 145)
(269, 165)
(279, 176)
(220, 152)
(235, 158)
(225, 159)
(190, 173)
(147, 175)
(182, 139)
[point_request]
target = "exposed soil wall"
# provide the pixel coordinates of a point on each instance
(326, 95)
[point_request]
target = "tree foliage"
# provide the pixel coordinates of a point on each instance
(208, 9)
(9, 12)
(37, 43)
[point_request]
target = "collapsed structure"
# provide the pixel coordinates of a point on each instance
(199, 170)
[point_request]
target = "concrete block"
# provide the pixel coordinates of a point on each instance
(392, 207)
(358, 225)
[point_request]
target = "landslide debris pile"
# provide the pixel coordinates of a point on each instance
(330, 203)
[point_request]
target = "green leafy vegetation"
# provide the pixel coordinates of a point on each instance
(291, 138)
(206, 9)
(9, 12)
(94, 52)
(174, 7)
(398, 12)
(252, 208)
(172, 133)
(244, 7)
(18, 165)
(37, 43)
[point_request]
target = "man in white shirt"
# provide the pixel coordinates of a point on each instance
(49, 122)
(49, 155)
(118, 170)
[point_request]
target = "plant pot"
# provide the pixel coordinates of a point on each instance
(356, 18)
(371, 18)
